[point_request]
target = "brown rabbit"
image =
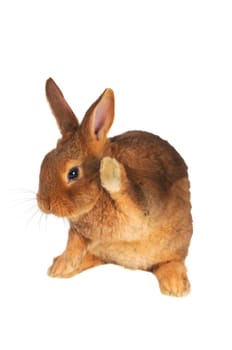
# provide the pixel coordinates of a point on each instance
(126, 198)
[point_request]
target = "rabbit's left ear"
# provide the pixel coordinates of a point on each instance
(64, 115)
(99, 118)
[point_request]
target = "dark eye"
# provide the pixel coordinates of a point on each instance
(73, 173)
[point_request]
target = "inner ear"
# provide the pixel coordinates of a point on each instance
(103, 114)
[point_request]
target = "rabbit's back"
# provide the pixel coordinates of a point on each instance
(150, 154)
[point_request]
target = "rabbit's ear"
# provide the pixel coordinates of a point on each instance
(99, 118)
(64, 115)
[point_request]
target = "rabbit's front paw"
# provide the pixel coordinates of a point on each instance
(62, 266)
(110, 174)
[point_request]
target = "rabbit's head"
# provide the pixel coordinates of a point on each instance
(69, 183)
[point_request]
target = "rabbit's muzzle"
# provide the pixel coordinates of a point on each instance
(43, 204)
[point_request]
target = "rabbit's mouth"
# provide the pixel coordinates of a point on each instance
(43, 204)
(53, 207)
(62, 208)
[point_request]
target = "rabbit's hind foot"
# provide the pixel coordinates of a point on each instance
(173, 279)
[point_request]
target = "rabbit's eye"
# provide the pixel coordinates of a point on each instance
(73, 174)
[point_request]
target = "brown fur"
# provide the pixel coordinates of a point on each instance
(130, 204)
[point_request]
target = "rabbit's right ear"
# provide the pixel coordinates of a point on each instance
(64, 115)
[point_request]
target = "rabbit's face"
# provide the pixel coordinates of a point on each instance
(69, 181)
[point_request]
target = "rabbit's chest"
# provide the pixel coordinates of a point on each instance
(111, 228)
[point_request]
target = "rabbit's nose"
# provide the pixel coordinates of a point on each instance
(43, 203)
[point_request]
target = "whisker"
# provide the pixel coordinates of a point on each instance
(40, 220)
(20, 201)
(26, 201)
(36, 211)
(46, 222)
(17, 196)
(22, 198)
(21, 190)
(24, 209)
(64, 223)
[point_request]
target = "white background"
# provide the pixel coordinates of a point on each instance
(170, 65)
